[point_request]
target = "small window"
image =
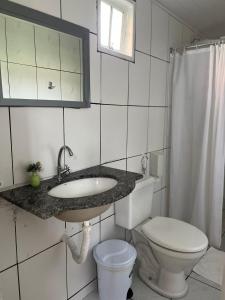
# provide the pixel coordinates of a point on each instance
(116, 30)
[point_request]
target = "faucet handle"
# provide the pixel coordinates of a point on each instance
(67, 169)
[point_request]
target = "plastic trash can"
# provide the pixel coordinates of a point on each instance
(115, 260)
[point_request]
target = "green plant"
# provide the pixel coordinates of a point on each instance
(35, 167)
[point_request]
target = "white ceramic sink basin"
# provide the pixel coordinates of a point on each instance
(83, 187)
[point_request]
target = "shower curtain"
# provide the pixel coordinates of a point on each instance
(198, 140)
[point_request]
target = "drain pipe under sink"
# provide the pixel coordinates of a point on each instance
(79, 257)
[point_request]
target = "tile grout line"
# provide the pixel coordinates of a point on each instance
(40, 252)
(90, 282)
(196, 279)
(11, 145)
(35, 56)
(129, 61)
(7, 58)
(52, 246)
(127, 111)
(130, 105)
(9, 109)
(17, 260)
(100, 103)
(8, 268)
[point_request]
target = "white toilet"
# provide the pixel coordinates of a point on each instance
(165, 247)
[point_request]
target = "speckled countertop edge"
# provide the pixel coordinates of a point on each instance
(38, 202)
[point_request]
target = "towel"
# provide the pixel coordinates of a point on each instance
(211, 266)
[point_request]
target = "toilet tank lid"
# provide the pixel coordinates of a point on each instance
(145, 181)
(114, 254)
(175, 235)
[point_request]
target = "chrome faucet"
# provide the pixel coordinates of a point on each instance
(61, 171)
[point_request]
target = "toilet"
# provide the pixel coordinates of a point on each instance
(166, 247)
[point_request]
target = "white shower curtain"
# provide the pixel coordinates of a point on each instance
(198, 140)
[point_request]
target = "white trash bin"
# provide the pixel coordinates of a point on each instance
(115, 260)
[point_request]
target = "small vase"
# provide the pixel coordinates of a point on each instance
(35, 180)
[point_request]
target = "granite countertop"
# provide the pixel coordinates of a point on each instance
(38, 202)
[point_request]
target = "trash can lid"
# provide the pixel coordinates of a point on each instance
(115, 254)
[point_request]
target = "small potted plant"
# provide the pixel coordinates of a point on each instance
(34, 178)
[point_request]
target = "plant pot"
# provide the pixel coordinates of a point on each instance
(35, 180)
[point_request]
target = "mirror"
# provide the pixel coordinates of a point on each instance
(44, 61)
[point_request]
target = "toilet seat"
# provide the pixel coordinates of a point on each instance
(175, 235)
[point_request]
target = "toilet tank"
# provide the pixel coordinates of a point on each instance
(136, 207)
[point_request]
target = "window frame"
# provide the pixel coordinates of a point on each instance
(111, 51)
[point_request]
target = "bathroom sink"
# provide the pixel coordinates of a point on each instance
(82, 188)
(103, 185)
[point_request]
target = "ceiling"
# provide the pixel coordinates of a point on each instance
(207, 16)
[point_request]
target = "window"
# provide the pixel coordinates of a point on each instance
(116, 19)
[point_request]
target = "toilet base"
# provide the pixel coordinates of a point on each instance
(164, 275)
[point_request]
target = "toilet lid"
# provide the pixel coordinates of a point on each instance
(114, 254)
(175, 235)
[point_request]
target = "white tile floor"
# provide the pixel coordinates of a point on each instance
(197, 291)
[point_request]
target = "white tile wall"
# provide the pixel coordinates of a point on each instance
(159, 203)
(109, 230)
(158, 81)
(73, 228)
(37, 135)
(51, 7)
(156, 128)
(5, 81)
(9, 284)
(80, 124)
(114, 80)
(35, 235)
(86, 271)
(109, 131)
(175, 33)
(187, 36)
(113, 132)
(134, 164)
(137, 130)
(44, 275)
(156, 204)
(80, 12)
(5, 149)
(2, 39)
(94, 70)
(119, 164)
(139, 80)
(160, 25)
(7, 236)
(143, 26)
(108, 213)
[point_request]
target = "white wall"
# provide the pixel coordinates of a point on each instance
(129, 116)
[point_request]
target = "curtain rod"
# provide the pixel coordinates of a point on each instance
(198, 46)
(219, 42)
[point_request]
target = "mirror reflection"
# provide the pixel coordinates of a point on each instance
(38, 63)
